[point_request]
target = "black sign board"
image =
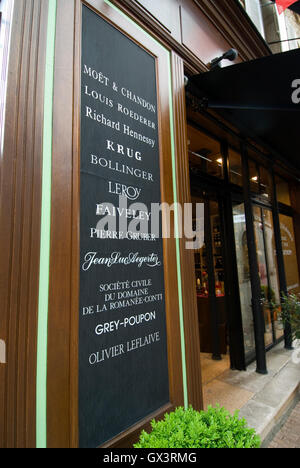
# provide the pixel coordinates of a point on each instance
(123, 365)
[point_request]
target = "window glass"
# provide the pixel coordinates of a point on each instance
(201, 266)
(205, 153)
(217, 248)
(235, 168)
(283, 191)
(289, 254)
(254, 178)
(265, 183)
(274, 288)
(201, 260)
(239, 222)
(263, 273)
(268, 272)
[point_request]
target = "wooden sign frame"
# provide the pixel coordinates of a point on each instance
(62, 372)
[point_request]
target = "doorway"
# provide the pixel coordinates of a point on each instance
(206, 166)
(210, 282)
(211, 290)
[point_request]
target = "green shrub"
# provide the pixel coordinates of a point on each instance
(291, 313)
(214, 428)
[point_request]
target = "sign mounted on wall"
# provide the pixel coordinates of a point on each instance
(123, 362)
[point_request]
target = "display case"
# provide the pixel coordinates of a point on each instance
(202, 280)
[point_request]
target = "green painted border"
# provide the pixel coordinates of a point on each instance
(179, 277)
(41, 378)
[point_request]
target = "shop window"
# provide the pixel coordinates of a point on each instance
(289, 254)
(268, 273)
(235, 168)
(273, 277)
(217, 249)
(205, 153)
(265, 183)
(260, 181)
(283, 191)
(263, 273)
(254, 176)
(240, 233)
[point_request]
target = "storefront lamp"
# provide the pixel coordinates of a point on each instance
(231, 55)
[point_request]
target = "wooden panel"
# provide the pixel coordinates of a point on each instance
(166, 12)
(63, 303)
(60, 292)
(227, 22)
(20, 222)
(6, 179)
(192, 342)
(199, 36)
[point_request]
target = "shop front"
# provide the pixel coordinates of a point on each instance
(224, 275)
(253, 175)
(105, 326)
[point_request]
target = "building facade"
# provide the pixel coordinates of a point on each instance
(103, 327)
(280, 30)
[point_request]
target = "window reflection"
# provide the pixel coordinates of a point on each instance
(254, 177)
(239, 221)
(205, 153)
(274, 288)
(268, 273)
(265, 183)
(262, 269)
(283, 191)
(235, 168)
(289, 254)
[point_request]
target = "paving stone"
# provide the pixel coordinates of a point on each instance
(288, 436)
(278, 389)
(249, 380)
(257, 414)
(229, 396)
(263, 399)
(277, 361)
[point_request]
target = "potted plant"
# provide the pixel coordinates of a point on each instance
(290, 313)
(214, 428)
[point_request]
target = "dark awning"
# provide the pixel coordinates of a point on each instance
(260, 98)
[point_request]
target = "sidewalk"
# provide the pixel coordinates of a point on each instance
(289, 435)
(261, 399)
